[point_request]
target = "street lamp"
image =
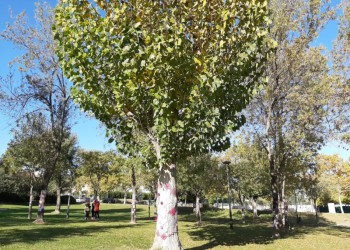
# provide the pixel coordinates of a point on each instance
(227, 163)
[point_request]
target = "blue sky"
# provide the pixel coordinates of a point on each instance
(89, 133)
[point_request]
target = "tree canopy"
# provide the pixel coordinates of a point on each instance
(180, 71)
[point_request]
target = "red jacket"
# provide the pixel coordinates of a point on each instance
(97, 206)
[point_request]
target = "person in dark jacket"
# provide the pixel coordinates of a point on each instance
(93, 210)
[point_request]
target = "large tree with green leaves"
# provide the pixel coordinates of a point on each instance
(41, 88)
(179, 72)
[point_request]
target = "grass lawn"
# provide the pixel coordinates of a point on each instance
(113, 230)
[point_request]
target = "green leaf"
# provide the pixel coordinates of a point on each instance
(196, 60)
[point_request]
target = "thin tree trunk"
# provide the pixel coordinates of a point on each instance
(275, 209)
(186, 200)
(273, 174)
(133, 203)
(41, 208)
(124, 197)
(284, 204)
(296, 206)
(222, 203)
(166, 236)
(242, 208)
(243, 214)
(30, 202)
(58, 200)
(340, 203)
(255, 210)
(98, 189)
(198, 211)
(217, 201)
(155, 206)
(68, 203)
(149, 206)
(316, 211)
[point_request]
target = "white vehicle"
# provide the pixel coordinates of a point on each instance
(83, 199)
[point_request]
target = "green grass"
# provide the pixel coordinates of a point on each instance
(113, 230)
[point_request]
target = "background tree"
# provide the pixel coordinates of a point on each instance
(249, 171)
(340, 56)
(124, 181)
(197, 173)
(134, 165)
(112, 181)
(94, 166)
(289, 115)
(218, 187)
(337, 171)
(30, 151)
(177, 71)
(148, 179)
(42, 88)
(65, 168)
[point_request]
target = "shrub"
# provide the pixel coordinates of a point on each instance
(64, 199)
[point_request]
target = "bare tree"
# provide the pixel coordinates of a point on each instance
(41, 89)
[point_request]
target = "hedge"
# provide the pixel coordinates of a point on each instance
(24, 198)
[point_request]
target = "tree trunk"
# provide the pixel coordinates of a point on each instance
(296, 206)
(166, 236)
(149, 206)
(284, 205)
(243, 214)
(186, 200)
(124, 197)
(222, 203)
(275, 209)
(340, 203)
(198, 211)
(217, 201)
(58, 200)
(242, 207)
(133, 203)
(96, 195)
(155, 205)
(316, 211)
(68, 204)
(41, 208)
(255, 210)
(30, 202)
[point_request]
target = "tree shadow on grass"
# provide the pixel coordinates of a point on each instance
(258, 231)
(222, 235)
